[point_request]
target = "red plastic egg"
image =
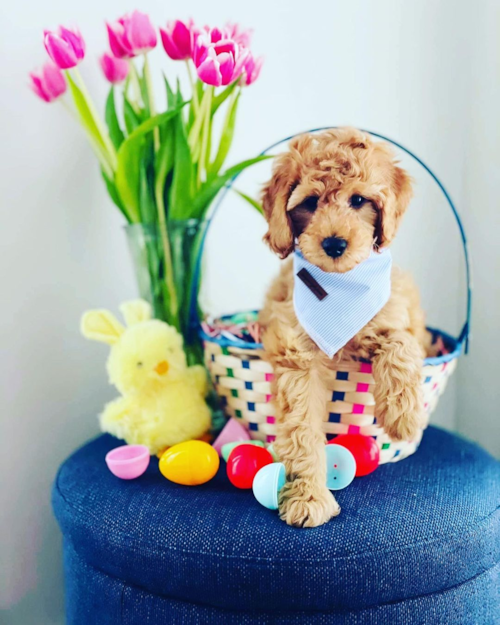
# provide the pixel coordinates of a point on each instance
(244, 462)
(364, 449)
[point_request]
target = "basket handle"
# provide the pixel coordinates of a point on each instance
(463, 339)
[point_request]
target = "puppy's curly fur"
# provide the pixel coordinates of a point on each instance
(309, 198)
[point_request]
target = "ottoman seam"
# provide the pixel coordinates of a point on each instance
(284, 612)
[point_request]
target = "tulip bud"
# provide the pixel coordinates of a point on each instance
(177, 39)
(235, 32)
(252, 69)
(48, 83)
(131, 35)
(64, 46)
(115, 70)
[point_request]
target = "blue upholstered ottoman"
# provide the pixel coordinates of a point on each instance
(417, 542)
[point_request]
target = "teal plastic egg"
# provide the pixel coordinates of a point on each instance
(340, 467)
(267, 484)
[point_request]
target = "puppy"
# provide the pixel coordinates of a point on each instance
(336, 197)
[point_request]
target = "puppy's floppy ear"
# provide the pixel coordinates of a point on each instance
(275, 196)
(393, 206)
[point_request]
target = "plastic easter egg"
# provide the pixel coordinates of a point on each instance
(340, 467)
(233, 431)
(190, 463)
(267, 484)
(364, 449)
(244, 462)
(228, 447)
(128, 461)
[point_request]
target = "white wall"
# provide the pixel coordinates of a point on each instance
(478, 375)
(423, 72)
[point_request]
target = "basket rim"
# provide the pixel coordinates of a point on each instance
(455, 344)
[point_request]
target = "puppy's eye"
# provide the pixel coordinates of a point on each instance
(357, 201)
(311, 203)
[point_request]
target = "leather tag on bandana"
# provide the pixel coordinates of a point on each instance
(314, 286)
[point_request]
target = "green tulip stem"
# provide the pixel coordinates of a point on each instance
(134, 81)
(196, 104)
(110, 148)
(102, 157)
(150, 92)
(167, 253)
(196, 128)
(205, 143)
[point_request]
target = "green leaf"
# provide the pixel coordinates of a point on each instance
(132, 119)
(198, 88)
(115, 132)
(151, 123)
(171, 97)
(130, 155)
(85, 114)
(226, 137)
(223, 96)
(181, 191)
(250, 200)
(164, 162)
(113, 194)
(210, 189)
(172, 101)
(147, 204)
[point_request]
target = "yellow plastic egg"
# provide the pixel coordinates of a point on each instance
(190, 463)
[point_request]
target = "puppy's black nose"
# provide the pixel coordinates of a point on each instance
(334, 246)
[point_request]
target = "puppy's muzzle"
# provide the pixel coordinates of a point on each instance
(334, 246)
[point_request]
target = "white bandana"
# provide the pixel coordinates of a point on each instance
(333, 307)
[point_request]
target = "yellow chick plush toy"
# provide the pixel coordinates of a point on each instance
(163, 400)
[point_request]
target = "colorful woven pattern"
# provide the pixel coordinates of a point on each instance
(243, 381)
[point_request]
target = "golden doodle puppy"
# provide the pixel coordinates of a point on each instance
(336, 200)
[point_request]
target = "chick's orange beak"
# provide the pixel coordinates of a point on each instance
(162, 367)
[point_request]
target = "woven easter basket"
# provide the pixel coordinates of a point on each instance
(242, 377)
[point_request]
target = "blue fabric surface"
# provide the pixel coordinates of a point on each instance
(94, 597)
(424, 531)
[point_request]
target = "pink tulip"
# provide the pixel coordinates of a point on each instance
(218, 61)
(235, 32)
(178, 39)
(131, 35)
(48, 83)
(115, 70)
(202, 40)
(252, 69)
(65, 47)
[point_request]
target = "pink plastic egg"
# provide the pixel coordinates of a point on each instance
(128, 461)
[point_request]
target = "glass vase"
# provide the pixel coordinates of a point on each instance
(180, 309)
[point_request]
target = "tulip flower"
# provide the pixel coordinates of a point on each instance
(236, 33)
(251, 69)
(65, 47)
(115, 70)
(218, 61)
(48, 83)
(178, 39)
(131, 35)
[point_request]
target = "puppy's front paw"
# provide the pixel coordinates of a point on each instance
(401, 415)
(306, 505)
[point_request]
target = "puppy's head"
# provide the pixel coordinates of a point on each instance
(338, 194)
